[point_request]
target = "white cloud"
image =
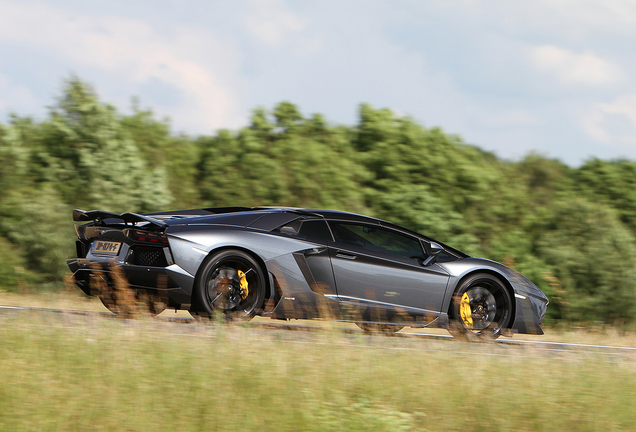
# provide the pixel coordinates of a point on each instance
(509, 76)
(573, 69)
(272, 24)
(612, 123)
(190, 60)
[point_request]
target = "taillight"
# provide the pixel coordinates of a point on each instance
(147, 237)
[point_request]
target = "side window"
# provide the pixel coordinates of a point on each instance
(316, 230)
(445, 257)
(377, 239)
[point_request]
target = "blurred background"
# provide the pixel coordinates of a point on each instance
(504, 129)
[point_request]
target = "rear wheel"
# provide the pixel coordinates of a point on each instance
(481, 308)
(231, 283)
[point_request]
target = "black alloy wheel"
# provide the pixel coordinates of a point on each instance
(481, 308)
(231, 283)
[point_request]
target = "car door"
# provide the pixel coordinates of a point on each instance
(314, 262)
(318, 259)
(383, 267)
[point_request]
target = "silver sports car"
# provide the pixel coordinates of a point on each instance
(290, 263)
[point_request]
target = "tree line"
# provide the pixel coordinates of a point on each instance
(570, 230)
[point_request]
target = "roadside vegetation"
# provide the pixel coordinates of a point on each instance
(66, 372)
(570, 230)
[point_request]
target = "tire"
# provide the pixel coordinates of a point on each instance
(380, 328)
(220, 287)
(487, 307)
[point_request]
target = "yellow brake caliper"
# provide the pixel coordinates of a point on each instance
(465, 312)
(244, 287)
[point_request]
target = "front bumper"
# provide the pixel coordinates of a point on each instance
(530, 314)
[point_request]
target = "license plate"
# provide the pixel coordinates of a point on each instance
(106, 247)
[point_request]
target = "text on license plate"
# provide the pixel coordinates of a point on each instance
(106, 247)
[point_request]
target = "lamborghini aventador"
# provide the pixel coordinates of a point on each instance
(290, 263)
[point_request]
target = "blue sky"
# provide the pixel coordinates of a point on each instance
(556, 76)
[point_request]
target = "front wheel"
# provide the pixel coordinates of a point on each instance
(481, 308)
(232, 283)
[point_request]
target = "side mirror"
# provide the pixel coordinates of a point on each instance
(436, 249)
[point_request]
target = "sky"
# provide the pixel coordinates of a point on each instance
(556, 77)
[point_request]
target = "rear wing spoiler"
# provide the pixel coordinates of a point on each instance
(99, 215)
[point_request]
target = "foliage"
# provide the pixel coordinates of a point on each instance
(37, 225)
(268, 163)
(594, 257)
(13, 267)
(94, 158)
(570, 230)
(612, 183)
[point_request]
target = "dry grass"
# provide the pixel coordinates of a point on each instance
(73, 300)
(67, 300)
(63, 372)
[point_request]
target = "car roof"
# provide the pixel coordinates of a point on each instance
(259, 210)
(252, 214)
(323, 213)
(248, 216)
(255, 217)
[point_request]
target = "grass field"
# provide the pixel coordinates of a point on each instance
(63, 372)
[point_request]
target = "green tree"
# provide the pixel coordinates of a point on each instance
(36, 224)
(457, 183)
(96, 161)
(175, 157)
(612, 183)
(593, 256)
(286, 161)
